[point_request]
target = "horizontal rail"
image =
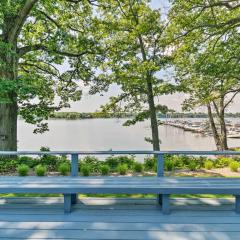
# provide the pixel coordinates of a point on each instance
(6, 153)
(75, 159)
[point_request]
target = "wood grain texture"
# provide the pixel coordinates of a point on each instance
(114, 219)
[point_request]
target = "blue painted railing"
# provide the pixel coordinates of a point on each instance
(160, 156)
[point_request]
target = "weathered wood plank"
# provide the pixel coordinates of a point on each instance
(176, 219)
(70, 186)
(93, 234)
(109, 226)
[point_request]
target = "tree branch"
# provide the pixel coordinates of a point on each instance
(231, 99)
(50, 19)
(22, 51)
(216, 108)
(20, 20)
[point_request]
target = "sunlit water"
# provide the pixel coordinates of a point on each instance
(105, 134)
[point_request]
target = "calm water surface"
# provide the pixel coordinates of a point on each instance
(105, 134)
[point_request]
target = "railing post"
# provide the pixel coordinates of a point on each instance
(74, 173)
(160, 173)
(160, 165)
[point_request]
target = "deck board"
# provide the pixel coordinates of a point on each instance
(96, 218)
(127, 185)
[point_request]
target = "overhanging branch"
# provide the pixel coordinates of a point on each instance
(21, 18)
(22, 51)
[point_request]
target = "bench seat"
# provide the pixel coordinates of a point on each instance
(165, 186)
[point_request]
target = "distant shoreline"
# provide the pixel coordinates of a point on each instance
(101, 115)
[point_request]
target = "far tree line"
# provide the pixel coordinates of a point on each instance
(128, 43)
(129, 115)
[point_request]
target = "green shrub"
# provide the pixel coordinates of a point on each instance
(138, 167)
(64, 169)
(40, 170)
(192, 166)
(92, 162)
(168, 165)
(114, 162)
(23, 170)
(185, 160)
(201, 161)
(105, 169)
(234, 166)
(176, 160)
(223, 162)
(150, 163)
(128, 160)
(208, 165)
(31, 162)
(51, 161)
(85, 170)
(8, 165)
(122, 169)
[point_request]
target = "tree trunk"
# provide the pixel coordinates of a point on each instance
(223, 127)
(8, 103)
(151, 104)
(10, 31)
(8, 126)
(221, 119)
(213, 127)
(224, 144)
(153, 116)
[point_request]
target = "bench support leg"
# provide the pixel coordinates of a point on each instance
(166, 204)
(159, 199)
(67, 203)
(237, 203)
(74, 198)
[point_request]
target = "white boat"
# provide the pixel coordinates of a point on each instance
(233, 133)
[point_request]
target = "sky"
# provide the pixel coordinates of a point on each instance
(90, 103)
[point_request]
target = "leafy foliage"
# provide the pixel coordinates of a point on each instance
(40, 170)
(85, 170)
(36, 37)
(64, 169)
(23, 170)
(122, 169)
(131, 34)
(234, 165)
(204, 42)
(138, 167)
(105, 169)
(150, 163)
(208, 165)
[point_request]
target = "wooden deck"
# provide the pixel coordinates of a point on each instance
(93, 218)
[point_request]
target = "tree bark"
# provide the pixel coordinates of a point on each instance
(9, 108)
(151, 103)
(223, 127)
(220, 110)
(153, 116)
(214, 128)
(8, 103)
(11, 28)
(8, 126)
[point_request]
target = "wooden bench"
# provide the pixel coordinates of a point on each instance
(69, 186)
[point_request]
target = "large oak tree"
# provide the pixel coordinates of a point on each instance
(36, 36)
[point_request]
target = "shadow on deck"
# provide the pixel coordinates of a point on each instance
(95, 218)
